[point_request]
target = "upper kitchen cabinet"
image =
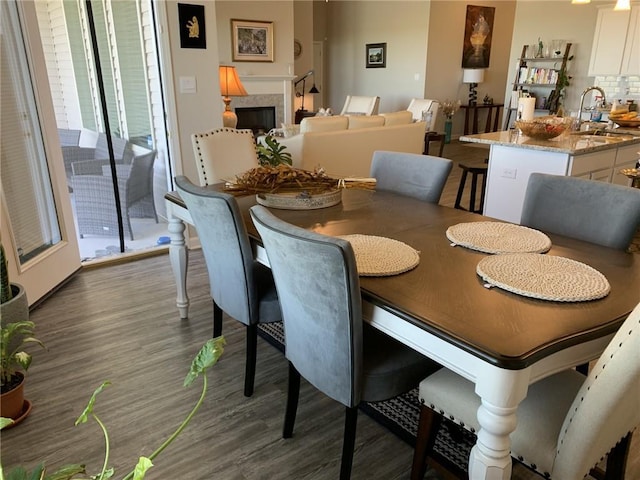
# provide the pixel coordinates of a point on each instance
(616, 43)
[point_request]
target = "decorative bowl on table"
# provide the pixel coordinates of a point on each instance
(544, 128)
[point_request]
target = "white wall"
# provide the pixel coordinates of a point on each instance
(189, 113)
(402, 25)
(424, 51)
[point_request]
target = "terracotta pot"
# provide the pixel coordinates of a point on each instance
(12, 402)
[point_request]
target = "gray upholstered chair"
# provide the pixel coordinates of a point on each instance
(93, 194)
(326, 340)
(419, 176)
(223, 153)
(566, 424)
(360, 105)
(596, 212)
(239, 285)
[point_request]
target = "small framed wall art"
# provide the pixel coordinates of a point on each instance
(192, 27)
(376, 55)
(252, 41)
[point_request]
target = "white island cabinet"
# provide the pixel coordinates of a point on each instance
(512, 162)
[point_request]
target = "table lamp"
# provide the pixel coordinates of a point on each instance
(230, 86)
(473, 76)
(313, 88)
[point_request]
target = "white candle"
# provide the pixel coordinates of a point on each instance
(526, 107)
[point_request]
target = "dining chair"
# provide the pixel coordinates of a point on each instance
(326, 340)
(596, 212)
(240, 286)
(223, 153)
(360, 105)
(566, 424)
(410, 174)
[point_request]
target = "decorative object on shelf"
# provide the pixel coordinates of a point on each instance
(448, 108)
(540, 48)
(534, 74)
(300, 94)
(192, 26)
(477, 37)
(544, 128)
(487, 100)
(230, 86)
(473, 76)
(252, 41)
(376, 55)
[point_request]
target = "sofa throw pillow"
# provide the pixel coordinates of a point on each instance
(397, 118)
(365, 121)
(289, 130)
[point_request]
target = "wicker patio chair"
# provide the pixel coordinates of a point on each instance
(94, 197)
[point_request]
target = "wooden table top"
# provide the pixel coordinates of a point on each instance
(446, 297)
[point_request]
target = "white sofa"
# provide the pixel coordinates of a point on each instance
(344, 145)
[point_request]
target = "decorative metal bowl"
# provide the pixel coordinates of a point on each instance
(300, 200)
(544, 128)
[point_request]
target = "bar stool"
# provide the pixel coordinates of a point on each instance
(476, 169)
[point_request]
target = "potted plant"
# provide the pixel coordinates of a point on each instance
(16, 331)
(14, 306)
(272, 153)
(14, 362)
(207, 357)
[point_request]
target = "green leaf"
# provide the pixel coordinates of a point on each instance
(206, 357)
(4, 422)
(89, 408)
(67, 472)
(18, 473)
(143, 465)
(23, 359)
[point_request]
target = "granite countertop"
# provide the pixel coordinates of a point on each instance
(571, 143)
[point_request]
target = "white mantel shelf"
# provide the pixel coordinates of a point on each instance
(267, 77)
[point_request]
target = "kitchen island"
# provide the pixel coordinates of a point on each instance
(513, 158)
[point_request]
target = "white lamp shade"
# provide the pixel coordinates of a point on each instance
(472, 75)
(622, 5)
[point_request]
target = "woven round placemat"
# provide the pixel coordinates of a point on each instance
(546, 277)
(381, 256)
(498, 237)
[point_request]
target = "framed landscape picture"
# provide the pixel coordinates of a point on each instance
(376, 55)
(252, 41)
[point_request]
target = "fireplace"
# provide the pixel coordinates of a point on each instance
(258, 119)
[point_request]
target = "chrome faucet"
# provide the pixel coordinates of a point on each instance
(587, 90)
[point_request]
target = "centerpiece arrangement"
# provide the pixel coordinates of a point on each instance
(277, 184)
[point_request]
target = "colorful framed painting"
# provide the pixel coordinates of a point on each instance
(192, 27)
(376, 55)
(477, 37)
(252, 41)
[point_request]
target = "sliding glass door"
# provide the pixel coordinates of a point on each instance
(38, 232)
(103, 72)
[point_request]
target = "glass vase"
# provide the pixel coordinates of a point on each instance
(448, 124)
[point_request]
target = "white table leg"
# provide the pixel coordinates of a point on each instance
(501, 392)
(179, 257)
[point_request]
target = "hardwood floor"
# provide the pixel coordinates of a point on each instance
(120, 323)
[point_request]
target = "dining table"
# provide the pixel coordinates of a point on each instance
(500, 340)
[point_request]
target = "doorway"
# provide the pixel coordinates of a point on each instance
(104, 77)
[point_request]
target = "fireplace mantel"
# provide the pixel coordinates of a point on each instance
(272, 84)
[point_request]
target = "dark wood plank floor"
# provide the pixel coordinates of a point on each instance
(120, 323)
